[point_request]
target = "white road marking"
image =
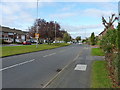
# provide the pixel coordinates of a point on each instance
(85, 47)
(62, 50)
(62, 69)
(17, 65)
(49, 55)
(81, 67)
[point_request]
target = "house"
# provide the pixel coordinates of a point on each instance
(12, 35)
(104, 32)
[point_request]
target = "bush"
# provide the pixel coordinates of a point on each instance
(92, 39)
(108, 42)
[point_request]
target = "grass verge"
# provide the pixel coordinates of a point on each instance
(97, 52)
(100, 77)
(14, 50)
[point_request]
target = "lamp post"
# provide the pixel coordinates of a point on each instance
(55, 31)
(119, 12)
(37, 26)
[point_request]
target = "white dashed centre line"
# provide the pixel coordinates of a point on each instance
(17, 65)
(49, 55)
(62, 50)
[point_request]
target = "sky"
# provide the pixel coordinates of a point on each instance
(79, 18)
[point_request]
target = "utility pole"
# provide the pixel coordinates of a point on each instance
(37, 27)
(55, 31)
(119, 12)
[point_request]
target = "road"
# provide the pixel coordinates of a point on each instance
(39, 69)
(77, 74)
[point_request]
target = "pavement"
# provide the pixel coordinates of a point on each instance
(49, 69)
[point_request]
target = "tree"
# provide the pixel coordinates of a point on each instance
(108, 24)
(78, 38)
(66, 37)
(118, 54)
(92, 39)
(109, 44)
(46, 30)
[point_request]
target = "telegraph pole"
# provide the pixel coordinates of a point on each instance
(119, 12)
(55, 31)
(36, 34)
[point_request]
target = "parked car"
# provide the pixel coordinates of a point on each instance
(26, 43)
(80, 43)
(7, 41)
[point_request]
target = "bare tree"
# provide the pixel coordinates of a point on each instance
(108, 24)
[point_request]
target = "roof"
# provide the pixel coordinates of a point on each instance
(7, 29)
(112, 27)
(102, 32)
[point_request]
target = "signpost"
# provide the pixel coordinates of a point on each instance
(37, 35)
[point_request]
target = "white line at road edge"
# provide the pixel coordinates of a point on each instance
(17, 65)
(49, 55)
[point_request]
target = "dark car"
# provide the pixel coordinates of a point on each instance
(26, 43)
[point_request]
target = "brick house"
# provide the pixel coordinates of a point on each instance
(104, 32)
(13, 35)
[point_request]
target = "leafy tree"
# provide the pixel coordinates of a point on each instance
(66, 37)
(46, 30)
(108, 42)
(78, 38)
(92, 39)
(118, 54)
(118, 37)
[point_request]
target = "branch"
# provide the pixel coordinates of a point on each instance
(110, 20)
(113, 20)
(105, 25)
(103, 20)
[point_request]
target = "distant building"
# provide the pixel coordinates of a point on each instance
(104, 32)
(13, 35)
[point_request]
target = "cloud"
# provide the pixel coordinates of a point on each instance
(62, 15)
(10, 8)
(67, 12)
(97, 12)
(83, 30)
(61, 0)
(14, 14)
(67, 7)
(17, 14)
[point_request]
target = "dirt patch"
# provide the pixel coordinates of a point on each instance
(95, 46)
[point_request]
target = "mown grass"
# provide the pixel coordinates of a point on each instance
(100, 77)
(97, 52)
(13, 50)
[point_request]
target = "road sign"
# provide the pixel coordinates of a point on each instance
(37, 35)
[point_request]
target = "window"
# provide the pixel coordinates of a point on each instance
(10, 34)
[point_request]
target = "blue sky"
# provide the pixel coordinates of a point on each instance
(75, 17)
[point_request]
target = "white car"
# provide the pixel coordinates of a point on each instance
(79, 43)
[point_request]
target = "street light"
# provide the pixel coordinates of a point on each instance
(55, 31)
(119, 12)
(37, 26)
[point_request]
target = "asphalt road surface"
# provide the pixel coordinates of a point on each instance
(39, 69)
